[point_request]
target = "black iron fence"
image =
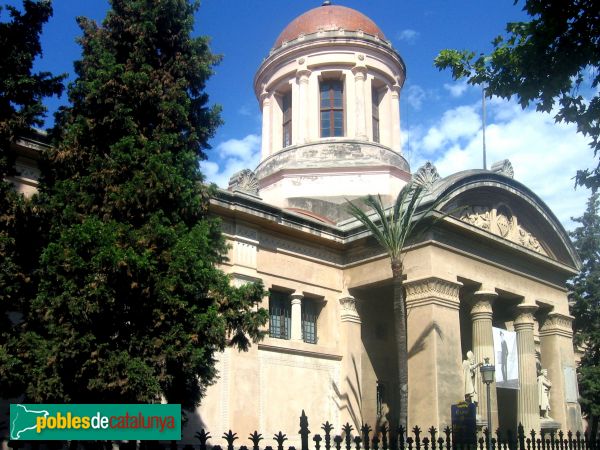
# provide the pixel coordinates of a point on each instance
(350, 439)
(399, 439)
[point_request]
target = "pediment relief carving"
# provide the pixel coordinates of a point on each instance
(501, 221)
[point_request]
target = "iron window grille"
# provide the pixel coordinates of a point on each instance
(280, 315)
(309, 321)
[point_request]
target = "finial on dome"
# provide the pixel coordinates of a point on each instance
(326, 3)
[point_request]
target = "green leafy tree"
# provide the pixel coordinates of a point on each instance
(551, 61)
(131, 305)
(585, 295)
(21, 95)
(392, 227)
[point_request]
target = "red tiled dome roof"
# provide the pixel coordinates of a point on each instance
(327, 18)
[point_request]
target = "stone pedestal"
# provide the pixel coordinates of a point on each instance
(528, 413)
(483, 347)
(434, 351)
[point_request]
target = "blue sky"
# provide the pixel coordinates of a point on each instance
(441, 119)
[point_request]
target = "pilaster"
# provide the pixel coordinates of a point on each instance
(395, 100)
(527, 397)
(302, 77)
(351, 345)
(434, 349)
(266, 124)
(360, 75)
(557, 355)
(483, 347)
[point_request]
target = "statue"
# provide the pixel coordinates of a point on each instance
(470, 373)
(544, 385)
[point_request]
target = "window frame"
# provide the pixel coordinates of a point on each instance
(286, 119)
(309, 318)
(280, 308)
(332, 108)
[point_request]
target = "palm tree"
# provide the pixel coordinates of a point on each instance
(392, 228)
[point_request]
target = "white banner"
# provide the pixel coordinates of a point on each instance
(507, 362)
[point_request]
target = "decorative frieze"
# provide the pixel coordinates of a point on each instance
(432, 290)
(503, 167)
(501, 221)
(244, 181)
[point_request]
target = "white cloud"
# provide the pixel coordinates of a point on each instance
(415, 95)
(545, 155)
(456, 89)
(409, 36)
(234, 155)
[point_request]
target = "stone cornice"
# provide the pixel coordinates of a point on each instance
(432, 290)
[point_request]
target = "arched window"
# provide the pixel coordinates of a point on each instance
(286, 108)
(332, 108)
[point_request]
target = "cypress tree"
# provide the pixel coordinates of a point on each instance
(132, 306)
(21, 93)
(585, 295)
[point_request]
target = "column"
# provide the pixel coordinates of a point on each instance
(556, 348)
(527, 396)
(395, 100)
(360, 75)
(302, 77)
(266, 124)
(351, 376)
(296, 331)
(434, 362)
(483, 347)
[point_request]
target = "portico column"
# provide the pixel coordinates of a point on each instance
(434, 362)
(395, 98)
(302, 77)
(351, 343)
(266, 124)
(527, 396)
(296, 332)
(360, 75)
(483, 347)
(557, 355)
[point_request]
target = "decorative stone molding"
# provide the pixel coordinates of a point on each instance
(557, 324)
(503, 167)
(500, 220)
(426, 176)
(348, 309)
(432, 290)
(244, 181)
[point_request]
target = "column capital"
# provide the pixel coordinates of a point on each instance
(524, 319)
(349, 312)
(482, 305)
(432, 290)
(359, 70)
(302, 75)
(296, 297)
(557, 324)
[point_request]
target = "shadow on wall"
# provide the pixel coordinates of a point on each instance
(350, 401)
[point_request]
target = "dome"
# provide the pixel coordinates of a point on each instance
(328, 17)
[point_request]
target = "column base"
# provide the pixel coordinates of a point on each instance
(549, 424)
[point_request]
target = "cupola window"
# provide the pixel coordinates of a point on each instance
(286, 106)
(375, 113)
(332, 108)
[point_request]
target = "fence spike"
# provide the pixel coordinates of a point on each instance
(317, 439)
(357, 441)
(426, 443)
(448, 433)
(375, 442)
(337, 440)
(304, 431)
(409, 442)
(366, 430)
(327, 427)
(432, 432)
(384, 437)
(280, 438)
(347, 429)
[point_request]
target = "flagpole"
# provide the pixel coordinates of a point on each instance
(483, 125)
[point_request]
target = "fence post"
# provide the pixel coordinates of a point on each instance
(304, 431)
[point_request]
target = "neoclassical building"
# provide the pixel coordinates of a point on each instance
(329, 93)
